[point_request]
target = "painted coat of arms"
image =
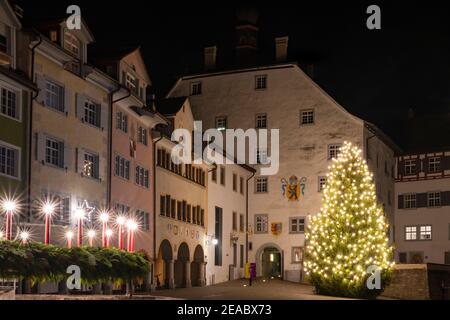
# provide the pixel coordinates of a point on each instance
(293, 188)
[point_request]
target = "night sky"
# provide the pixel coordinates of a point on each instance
(377, 75)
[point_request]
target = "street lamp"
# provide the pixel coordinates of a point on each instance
(79, 216)
(48, 209)
(9, 206)
(69, 237)
(91, 236)
(215, 241)
(120, 223)
(132, 227)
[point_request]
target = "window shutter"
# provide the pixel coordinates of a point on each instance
(400, 202)
(124, 78)
(422, 200)
(80, 106)
(425, 165)
(67, 100)
(80, 160)
(445, 198)
(67, 157)
(446, 163)
(102, 168)
(40, 82)
(104, 116)
(401, 168)
(9, 38)
(40, 147)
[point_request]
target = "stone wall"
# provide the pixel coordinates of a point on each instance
(409, 282)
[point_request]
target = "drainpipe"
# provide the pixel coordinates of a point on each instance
(110, 146)
(246, 217)
(155, 255)
(30, 126)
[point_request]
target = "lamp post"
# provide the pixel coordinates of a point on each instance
(120, 223)
(109, 234)
(10, 207)
(132, 227)
(79, 216)
(69, 237)
(91, 236)
(47, 209)
(104, 217)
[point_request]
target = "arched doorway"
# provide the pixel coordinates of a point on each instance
(163, 264)
(182, 274)
(269, 261)
(197, 267)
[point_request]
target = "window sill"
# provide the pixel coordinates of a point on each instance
(92, 125)
(46, 164)
(62, 113)
(19, 120)
(9, 177)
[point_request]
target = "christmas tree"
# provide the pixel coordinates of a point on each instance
(349, 235)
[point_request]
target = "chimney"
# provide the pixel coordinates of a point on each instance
(210, 55)
(281, 45)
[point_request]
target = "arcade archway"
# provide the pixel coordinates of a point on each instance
(182, 267)
(198, 267)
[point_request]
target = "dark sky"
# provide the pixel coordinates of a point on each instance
(375, 74)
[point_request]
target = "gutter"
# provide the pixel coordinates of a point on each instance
(155, 254)
(30, 126)
(246, 217)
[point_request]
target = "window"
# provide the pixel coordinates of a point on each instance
(260, 82)
(130, 82)
(218, 229)
(3, 44)
(261, 120)
(234, 182)
(241, 185)
(221, 123)
(141, 177)
(121, 208)
(410, 167)
(306, 117)
(241, 223)
(54, 96)
(214, 175)
(261, 156)
(62, 208)
(9, 161)
(402, 257)
(261, 223)
(241, 258)
(333, 151)
(189, 213)
(434, 164)
(196, 88)
(234, 221)
(261, 185)
(122, 121)
(143, 219)
(297, 254)
(122, 167)
(389, 197)
(92, 112)
(142, 135)
(434, 199)
(297, 225)
(54, 152)
(9, 103)
(72, 44)
(222, 175)
(322, 180)
(409, 201)
(425, 232)
(410, 233)
(91, 165)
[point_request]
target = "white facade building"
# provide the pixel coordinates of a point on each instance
(422, 216)
(312, 127)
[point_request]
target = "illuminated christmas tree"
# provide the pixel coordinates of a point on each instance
(349, 235)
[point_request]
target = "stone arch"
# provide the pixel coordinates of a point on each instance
(182, 267)
(261, 260)
(164, 265)
(198, 267)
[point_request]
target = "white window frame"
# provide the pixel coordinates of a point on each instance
(51, 95)
(434, 199)
(95, 165)
(18, 102)
(296, 221)
(144, 219)
(263, 221)
(307, 117)
(333, 150)
(410, 166)
(261, 82)
(122, 163)
(88, 104)
(261, 121)
(426, 232)
(293, 250)
(18, 160)
(221, 123)
(261, 185)
(122, 123)
(410, 201)
(72, 44)
(130, 81)
(410, 233)
(61, 145)
(435, 163)
(142, 177)
(196, 88)
(142, 135)
(261, 156)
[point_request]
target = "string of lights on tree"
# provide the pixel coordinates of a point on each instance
(47, 208)
(350, 232)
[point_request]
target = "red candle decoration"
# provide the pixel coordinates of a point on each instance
(48, 209)
(69, 236)
(79, 215)
(91, 236)
(109, 234)
(132, 227)
(120, 223)
(104, 217)
(9, 206)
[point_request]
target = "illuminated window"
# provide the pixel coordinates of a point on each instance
(297, 254)
(91, 165)
(221, 123)
(410, 233)
(425, 232)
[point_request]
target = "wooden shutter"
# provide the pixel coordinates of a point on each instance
(104, 116)
(67, 100)
(80, 101)
(400, 202)
(422, 200)
(445, 163)
(40, 147)
(102, 168)
(67, 157)
(445, 198)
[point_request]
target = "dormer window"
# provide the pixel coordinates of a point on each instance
(72, 44)
(130, 82)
